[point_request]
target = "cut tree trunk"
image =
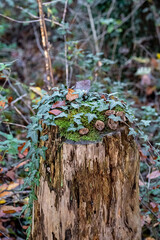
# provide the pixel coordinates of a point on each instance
(88, 191)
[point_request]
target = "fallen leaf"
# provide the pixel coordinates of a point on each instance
(25, 152)
(58, 104)
(141, 183)
(3, 229)
(112, 125)
(146, 80)
(83, 131)
(70, 96)
(149, 238)
(55, 112)
(5, 189)
(150, 90)
(10, 99)
(11, 174)
(154, 63)
(37, 90)
(10, 209)
(154, 206)
(99, 125)
(83, 85)
(2, 104)
(21, 164)
(2, 201)
(154, 174)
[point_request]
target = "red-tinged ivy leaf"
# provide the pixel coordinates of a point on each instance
(83, 85)
(70, 95)
(154, 174)
(55, 112)
(10, 99)
(24, 154)
(103, 97)
(58, 104)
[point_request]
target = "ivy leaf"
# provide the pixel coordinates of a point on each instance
(74, 105)
(78, 121)
(61, 115)
(132, 132)
(71, 128)
(78, 115)
(114, 118)
(145, 122)
(130, 117)
(114, 103)
(90, 116)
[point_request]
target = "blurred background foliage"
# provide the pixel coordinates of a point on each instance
(115, 44)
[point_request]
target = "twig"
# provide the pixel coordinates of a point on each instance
(15, 124)
(37, 40)
(52, 2)
(65, 42)
(16, 109)
(31, 21)
(93, 28)
(45, 45)
(16, 100)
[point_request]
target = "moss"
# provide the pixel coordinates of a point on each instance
(119, 109)
(93, 135)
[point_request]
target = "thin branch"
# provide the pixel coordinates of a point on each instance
(45, 45)
(52, 2)
(15, 124)
(17, 110)
(93, 28)
(18, 21)
(65, 43)
(124, 20)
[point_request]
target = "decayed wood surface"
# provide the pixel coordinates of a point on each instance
(88, 191)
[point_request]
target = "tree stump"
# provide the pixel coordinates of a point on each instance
(88, 191)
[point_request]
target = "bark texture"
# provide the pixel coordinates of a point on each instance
(88, 191)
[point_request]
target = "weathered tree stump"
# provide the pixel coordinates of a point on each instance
(88, 191)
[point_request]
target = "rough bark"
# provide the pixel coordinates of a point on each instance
(88, 191)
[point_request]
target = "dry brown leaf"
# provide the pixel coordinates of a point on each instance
(10, 209)
(146, 80)
(55, 112)
(70, 95)
(154, 174)
(112, 125)
(24, 154)
(150, 90)
(2, 104)
(5, 189)
(11, 174)
(21, 164)
(83, 131)
(58, 104)
(99, 125)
